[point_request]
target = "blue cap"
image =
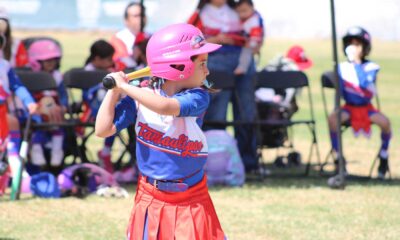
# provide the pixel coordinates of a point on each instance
(45, 185)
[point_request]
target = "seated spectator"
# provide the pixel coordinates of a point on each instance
(294, 60)
(45, 55)
(358, 76)
(10, 136)
(139, 50)
(100, 58)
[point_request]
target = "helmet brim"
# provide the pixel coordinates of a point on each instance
(304, 65)
(206, 48)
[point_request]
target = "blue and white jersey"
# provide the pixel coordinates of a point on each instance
(9, 82)
(358, 82)
(167, 147)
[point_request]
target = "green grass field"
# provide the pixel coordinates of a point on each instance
(277, 208)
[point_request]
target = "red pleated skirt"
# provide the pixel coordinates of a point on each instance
(181, 215)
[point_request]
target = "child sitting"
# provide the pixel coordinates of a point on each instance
(10, 136)
(252, 23)
(294, 60)
(100, 58)
(45, 55)
(358, 76)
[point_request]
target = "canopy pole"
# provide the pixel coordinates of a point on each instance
(141, 15)
(340, 182)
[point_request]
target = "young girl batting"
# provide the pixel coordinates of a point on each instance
(172, 199)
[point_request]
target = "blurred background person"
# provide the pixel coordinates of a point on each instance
(253, 30)
(45, 55)
(100, 58)
(13, 50)
(123, 41)
(221, 24)
(358, 76)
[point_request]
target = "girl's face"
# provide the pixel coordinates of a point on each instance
(3, 31)
(199, 74)
(218, 3)
(103, 63)
(244, 11)
(49, 65)
(3, 26)
(358, 46)
(132, 22)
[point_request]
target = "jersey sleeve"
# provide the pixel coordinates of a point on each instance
(366, 73)
(63, 95)
(125, 113)
(19, 89)
(193, 102)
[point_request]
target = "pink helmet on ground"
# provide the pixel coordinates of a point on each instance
(40, 50)
(169, 51)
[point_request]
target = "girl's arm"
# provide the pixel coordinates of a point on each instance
(159, 104)
(104, 125)
(21, 91)
(63, 95)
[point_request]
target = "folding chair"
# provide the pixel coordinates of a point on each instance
(328, 82)
(78, 78)
(281, 80)
(221, 80)
(41, 81)
(227, 81)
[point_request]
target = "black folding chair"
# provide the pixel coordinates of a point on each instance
(220, 81)
(81, 79)
(281, 80)
(41, 81)
(328, 82)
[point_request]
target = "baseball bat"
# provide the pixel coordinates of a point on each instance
(23, 152)
(109, 81)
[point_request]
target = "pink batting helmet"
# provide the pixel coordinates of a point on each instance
(40, 50)
(169, 51)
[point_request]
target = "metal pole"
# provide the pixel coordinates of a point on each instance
(340, 182)
(141, 15)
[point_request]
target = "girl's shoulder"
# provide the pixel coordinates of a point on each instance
(4, 63)
(371, 66)
(197, 90)
(89, 67)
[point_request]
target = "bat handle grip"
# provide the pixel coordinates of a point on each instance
(109, 82)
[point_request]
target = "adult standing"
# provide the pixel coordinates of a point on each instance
(13, 51)
(123, 41)
(221, 24)
(124, 56)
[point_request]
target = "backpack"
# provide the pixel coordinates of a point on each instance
(224, 164)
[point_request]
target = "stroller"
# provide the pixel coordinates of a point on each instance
(278, 105)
